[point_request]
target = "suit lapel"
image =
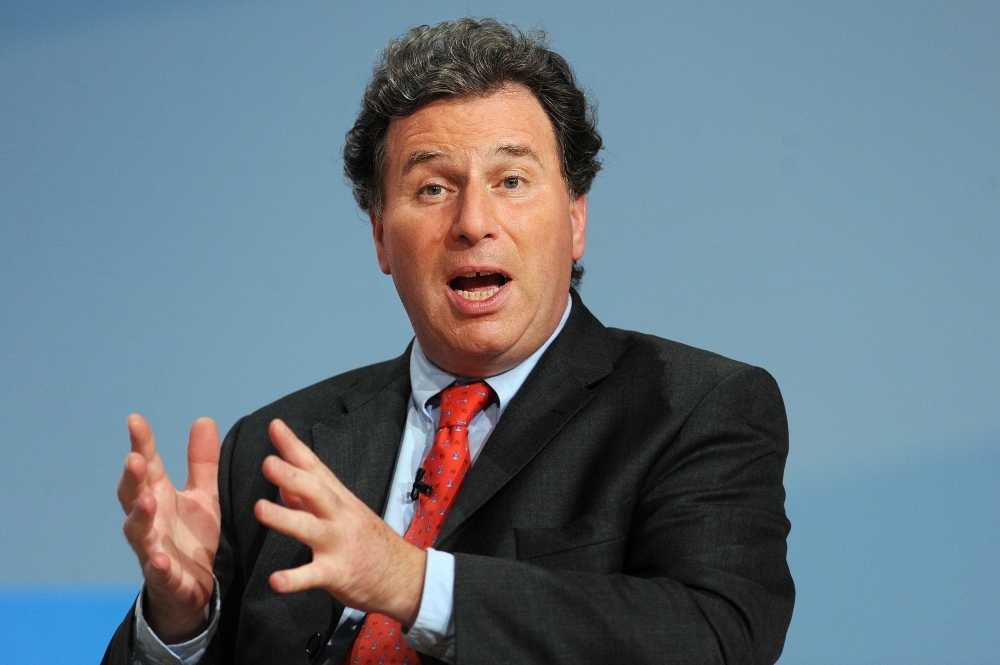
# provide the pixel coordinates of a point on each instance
(557, 388)
(361, 445)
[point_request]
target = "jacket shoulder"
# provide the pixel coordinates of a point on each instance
(331, 397)
(630, 343)
(679, 366)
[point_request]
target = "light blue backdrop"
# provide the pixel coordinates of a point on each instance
(814, 189)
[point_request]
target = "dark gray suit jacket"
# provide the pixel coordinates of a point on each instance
(628, 508)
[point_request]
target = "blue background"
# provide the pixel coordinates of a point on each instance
(813, 189)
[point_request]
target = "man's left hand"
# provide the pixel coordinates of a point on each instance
(356, 556)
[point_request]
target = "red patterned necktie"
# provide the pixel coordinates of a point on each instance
(380, 640)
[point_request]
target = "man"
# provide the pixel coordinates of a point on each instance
(522, 484)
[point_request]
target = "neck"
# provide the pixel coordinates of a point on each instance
(472, 364)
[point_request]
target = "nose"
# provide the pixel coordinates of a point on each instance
(476, 219)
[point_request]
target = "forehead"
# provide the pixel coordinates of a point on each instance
(479, 125)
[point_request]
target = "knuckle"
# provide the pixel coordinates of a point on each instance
(324, 532)
(324, 569)
(266, 512)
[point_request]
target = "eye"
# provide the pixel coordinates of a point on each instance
(513, 182)
(434, 190)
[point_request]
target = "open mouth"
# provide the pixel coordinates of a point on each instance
(478, 285)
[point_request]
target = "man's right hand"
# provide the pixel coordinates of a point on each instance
(174, 533)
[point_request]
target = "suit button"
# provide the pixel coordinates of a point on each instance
(313, 645)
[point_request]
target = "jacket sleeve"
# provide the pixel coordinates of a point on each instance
(119, 651)
(703, 579)
(228, 570)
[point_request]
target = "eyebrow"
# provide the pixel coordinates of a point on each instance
(514, 150)
(509, 149)
(419, 158)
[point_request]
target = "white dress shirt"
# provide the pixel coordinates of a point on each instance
(433, 632)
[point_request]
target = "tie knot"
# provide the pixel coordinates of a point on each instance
(460, 404)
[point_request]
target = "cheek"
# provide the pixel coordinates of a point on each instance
(551, 246)
(415, 244)
(413, 268)
(400, 252)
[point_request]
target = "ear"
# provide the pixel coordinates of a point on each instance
(378, 235)
(578, 218)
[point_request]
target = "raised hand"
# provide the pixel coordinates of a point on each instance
(357, 558)
(174, 533)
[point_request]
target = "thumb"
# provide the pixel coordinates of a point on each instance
(203, 456)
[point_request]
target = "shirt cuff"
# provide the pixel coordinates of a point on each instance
(150, 649)
(433, 632)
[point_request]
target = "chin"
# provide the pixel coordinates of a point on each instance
(479, 345)
(472, 355)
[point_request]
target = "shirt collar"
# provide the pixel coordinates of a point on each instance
(427, 379)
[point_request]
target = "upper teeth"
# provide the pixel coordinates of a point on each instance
(472, 274)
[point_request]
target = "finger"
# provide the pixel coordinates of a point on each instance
(293, 450)
(162, 572)
(311, 491)
(141, 435)
(300, 525)
(132, 482)
(162, 564)
(138, 526)
(291, 501)
(309, 576)
(158, 557)
(158, 570)
(203, 457)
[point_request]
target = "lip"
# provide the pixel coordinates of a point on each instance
(478, 307)
(466, 269)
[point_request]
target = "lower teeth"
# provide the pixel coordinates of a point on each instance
(478, 295)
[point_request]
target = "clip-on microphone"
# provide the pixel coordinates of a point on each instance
(420, 487)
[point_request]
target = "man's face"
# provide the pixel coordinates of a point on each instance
(478, 229)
